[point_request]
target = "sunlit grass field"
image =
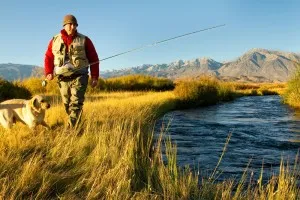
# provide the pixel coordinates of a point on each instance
(292, 93)
(258, 89)
(113, 153)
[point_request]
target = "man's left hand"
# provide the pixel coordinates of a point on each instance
(94, 82)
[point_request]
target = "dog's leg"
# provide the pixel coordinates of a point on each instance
(43, 123)
(32, 125)
(6, 119)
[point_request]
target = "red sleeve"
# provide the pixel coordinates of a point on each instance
(49, 60)
(92, 56)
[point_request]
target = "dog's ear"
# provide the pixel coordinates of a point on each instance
(34, 104)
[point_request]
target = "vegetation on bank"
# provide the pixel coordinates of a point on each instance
(136, 83)
(292, 94)
(201, 92)
(9, 90)
(258, 89)
(113, 157)
(148, 83)
(124, 83)
(113, 154)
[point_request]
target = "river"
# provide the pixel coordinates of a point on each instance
(263, 131)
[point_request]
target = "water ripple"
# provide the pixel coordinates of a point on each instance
(263, 130)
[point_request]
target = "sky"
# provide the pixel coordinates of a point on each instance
(26, 27)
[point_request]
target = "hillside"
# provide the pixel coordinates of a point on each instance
(10, 71)
(262, 64)
(256, 65)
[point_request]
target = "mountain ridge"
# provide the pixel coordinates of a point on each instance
(255, 65)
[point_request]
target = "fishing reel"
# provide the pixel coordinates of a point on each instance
(44, 83)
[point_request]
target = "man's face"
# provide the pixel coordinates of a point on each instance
(70, 28)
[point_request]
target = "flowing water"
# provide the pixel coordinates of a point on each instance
(263, 131)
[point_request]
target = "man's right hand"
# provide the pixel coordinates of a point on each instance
(49, 77)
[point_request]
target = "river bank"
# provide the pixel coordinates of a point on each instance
(262, 129)
(112, 155)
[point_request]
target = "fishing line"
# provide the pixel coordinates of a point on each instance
(44, 83)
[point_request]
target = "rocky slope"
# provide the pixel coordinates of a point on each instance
(256, 65)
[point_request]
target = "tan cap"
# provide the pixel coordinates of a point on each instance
(70, 19)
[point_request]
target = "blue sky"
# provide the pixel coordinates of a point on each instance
(117, 26)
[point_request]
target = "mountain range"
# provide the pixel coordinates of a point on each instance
(256, 65)
(11, 72)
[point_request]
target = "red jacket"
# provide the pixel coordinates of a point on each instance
(90, 50)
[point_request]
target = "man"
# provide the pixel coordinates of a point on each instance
(68, 56)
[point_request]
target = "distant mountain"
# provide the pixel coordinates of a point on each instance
(256, 65)
(262, 64)
(12, 71)
(177, 69)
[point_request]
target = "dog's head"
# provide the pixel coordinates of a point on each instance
(39, 102)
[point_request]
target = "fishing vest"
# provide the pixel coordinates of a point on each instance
(76, 53)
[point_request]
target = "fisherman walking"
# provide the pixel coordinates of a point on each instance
(68, 56)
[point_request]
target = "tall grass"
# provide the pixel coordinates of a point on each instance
(292, 94)
(34, 85)
(124, 83)
(137, 83)
(10, 90)
(110, 159)
(113, 156)
(205, 91)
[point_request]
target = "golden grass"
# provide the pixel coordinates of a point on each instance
(112, 156)
(292, 93)
(255, 89)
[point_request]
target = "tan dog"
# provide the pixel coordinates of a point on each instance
(30, 112)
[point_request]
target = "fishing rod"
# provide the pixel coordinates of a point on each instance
(44, 83)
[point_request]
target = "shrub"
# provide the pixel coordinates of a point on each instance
(292, 93)
(9, 90)
(34, 85)
(226, 92)
(245, 86)
(100, 86)
(204, 91)
(195, 93)
(268, 92)
(138, 83)
(254, 93)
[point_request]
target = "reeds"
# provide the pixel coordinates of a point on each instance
(114, 155)
(201, 92)
(258, 89)
(10, 90)
(292, 94)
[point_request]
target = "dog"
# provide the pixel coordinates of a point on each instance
(30, 112)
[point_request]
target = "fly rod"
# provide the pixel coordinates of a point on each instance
(44, 83)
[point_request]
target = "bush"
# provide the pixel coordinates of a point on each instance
(138, 83)
(226, 91)
(205, 91)
(292, 93)
(34, 85)
(100, 86)
(268, 92)
(197, 93)
(9, 90)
